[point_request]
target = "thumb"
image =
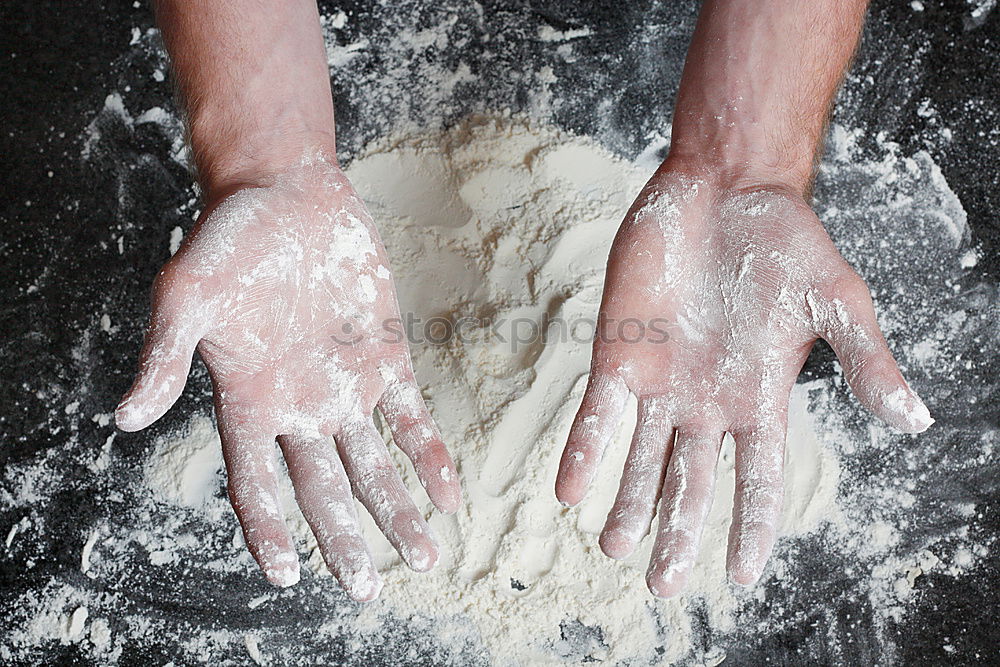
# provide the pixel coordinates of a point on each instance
(177, 324)
(848, 323)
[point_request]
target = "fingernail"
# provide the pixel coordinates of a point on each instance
(567, 498)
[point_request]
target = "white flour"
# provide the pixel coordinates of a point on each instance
(156, 568)
(503, 218)
(499, 218)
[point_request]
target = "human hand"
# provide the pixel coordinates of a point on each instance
(744, 279)
(285, 291)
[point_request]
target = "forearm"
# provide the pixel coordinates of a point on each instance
(757, 86)
(254, 81)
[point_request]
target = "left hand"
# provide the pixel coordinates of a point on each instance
(744, 279)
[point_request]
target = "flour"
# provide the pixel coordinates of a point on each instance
(503, 218)
(514, 219)
(503, 221)
(185, 472)
(980, 10)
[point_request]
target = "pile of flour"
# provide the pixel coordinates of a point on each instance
(504, 221)
(508, 223)
(503, 218)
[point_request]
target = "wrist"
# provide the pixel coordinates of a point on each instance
(735, 174)
(232, 162)
(740, 153)
(254, 82)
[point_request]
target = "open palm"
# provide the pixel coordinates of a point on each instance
(714, 297)
(286, 293)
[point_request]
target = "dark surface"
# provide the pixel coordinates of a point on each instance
(59, 62)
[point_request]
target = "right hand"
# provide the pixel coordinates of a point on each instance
(285, 290)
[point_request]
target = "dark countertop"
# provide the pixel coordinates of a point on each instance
(916, 73)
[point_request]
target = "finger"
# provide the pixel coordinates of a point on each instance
(642, 478)
(850, 326)
(684, 506)
(253, 492)
(177, 324)
(324, 495)
(592, 431)
(414, 432)
(377, 484)
(757, 503)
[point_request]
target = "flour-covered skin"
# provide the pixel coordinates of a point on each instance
(744, 279)
(286, 293)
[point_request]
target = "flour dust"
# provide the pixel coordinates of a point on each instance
(505, 223)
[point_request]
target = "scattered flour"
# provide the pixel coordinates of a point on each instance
(506, 222)
(502, 217)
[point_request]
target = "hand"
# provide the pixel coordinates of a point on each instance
(744, 279)
(285, 291)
